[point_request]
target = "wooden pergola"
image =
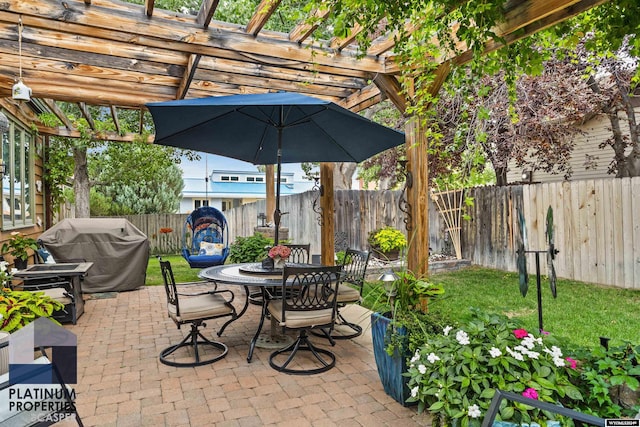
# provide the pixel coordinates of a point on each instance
(122, 56)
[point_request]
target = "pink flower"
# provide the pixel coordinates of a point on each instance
(530, 393)
(279, 251)
(572, 363)
(520, 333)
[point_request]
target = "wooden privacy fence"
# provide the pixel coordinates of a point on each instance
(357, 212)
(596, 224)
(151, 224)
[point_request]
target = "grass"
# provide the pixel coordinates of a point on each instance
(581, 313)
(180, 267)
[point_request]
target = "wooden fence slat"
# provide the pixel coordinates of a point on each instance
(600, 231)
(627, 226)
(635, 207)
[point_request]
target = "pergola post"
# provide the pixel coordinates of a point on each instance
(328, 221)
(417, 197)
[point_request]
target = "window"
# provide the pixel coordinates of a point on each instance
(234, 178)
(197, 203)
(228, 178)
(251, 179)
(17, 197)
(224, 178)
(259, 179)
(283, 180)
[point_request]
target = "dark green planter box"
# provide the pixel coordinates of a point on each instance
(390, 368)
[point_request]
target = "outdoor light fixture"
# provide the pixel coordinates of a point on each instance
(403, 203)
(20, 91)
(262, 218)
(527, 176)
(388, 278)
(4, 123)
(317, 187)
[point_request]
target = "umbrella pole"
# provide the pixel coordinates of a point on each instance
(277, 214)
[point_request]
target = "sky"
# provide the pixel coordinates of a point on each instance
(209, 162)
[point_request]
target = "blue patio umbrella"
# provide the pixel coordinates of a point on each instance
(271, 128)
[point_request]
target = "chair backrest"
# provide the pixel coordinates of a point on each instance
(170, 285)
(310, 288)
(300, 254)
(354, 267)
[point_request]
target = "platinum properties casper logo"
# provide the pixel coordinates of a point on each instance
(38, 386)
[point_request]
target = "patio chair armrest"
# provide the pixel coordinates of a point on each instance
(224, 291)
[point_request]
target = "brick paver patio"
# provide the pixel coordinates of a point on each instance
(122, 383)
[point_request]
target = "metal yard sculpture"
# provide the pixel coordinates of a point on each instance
(551, 253)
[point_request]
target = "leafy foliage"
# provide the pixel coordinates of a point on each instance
(136, 178)
(454, 374)
(19, 308)
(605, 372)
(249, 249)
(387, 239)
(18, 244)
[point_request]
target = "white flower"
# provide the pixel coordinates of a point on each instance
(3, 266)
(554, 352)
(515, 354)
(528, 342)
(495, 352)
(415, 357)
(446, 330)
(474, 411)
(432, 358)
(462, 337)
(558, 361)
(414, 391)
(422, 369)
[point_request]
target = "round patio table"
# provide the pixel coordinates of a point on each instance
(245, 275)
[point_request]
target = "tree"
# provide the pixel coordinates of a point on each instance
(74, 155)
(433, 38)
(614, 88)
(137, 177)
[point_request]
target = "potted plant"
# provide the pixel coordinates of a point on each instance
(18, 309)
(386, 243)
(399, 326)
(17, 247)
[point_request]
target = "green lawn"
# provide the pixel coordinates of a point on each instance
(581, 313)
(181, 270)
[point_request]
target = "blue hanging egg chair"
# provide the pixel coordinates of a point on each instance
(205, 238)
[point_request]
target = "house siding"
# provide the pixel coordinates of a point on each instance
(596, 131)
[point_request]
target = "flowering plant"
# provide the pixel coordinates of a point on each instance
(279, 251)
(455, 374)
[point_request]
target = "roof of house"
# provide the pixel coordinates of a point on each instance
(197, 187)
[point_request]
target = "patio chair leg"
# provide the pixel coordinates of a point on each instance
(194, 339)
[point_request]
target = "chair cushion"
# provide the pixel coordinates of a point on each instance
(58, 294)
(300, 319)
(347, 294)
(200, 307)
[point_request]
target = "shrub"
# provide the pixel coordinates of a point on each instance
(249, 249)
(387, 239)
